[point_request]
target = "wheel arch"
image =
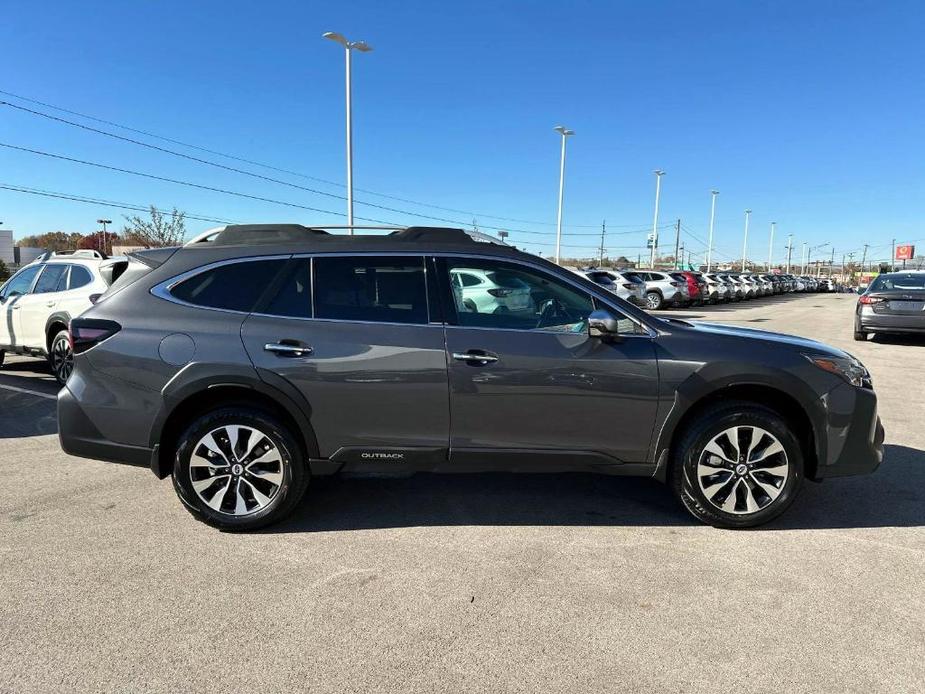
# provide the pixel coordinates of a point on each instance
(764, 394)
(55, 323)
(200, 396)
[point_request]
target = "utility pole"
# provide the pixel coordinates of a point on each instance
(789, 251)
(864, 257)
(748, 213)
(713, 193)
(600, 261)
(658, 189)
(803, 260)
(677, 243)
(893, 255)
(832, 263)
(771, 245)
(682, 257)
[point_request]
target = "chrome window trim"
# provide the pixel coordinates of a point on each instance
(162, 289)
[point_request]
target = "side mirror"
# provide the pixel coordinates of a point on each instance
(603, 324)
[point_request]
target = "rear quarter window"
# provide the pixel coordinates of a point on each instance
(231, 287)
(80, 277)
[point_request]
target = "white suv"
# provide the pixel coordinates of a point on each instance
(481, 291)
(37, 303)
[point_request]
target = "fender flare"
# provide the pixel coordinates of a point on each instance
(56, 317)
(712, 380)
(196, 379)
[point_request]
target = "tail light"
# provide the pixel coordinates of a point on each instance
(675, 284)
(84, 333)
(500, 292)
(629, 285)
(870, 299)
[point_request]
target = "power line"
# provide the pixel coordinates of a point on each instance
(106, 203)
(260, 164)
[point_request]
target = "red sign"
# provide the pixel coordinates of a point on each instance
(905, 252)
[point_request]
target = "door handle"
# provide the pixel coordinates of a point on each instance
(15, 307)
(477, 356)
(50, 304)
(284, 349)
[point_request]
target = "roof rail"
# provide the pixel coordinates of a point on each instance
(234, 234)
(79, 253)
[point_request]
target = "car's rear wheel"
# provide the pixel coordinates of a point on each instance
(654, 301)
(61, 358)
(738, 465)
(238, 468)
(859, 335)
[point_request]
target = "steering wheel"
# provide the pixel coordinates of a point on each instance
(553, 312)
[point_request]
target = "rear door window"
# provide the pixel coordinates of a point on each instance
(230, 287)
(80, 277)
(50, 279)
(379, 289)
(294, 298)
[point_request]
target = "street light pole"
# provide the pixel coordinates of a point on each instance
(771, 245)
(104, 222)
(789, 251)
(658, 189)
(748, 213)
(349, 47)
(713, 194)
(565, 133)
(803, 260)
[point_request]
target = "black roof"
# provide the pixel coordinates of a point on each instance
(298, 238)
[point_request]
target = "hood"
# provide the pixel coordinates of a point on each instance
(801, 343)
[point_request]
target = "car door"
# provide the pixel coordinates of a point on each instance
(534, 382)
(14, 291)
(356, 336)
(37, 306)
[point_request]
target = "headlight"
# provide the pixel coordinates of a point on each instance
(848, 368)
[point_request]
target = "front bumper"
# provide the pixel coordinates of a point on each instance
(79, 436)
(853, 433)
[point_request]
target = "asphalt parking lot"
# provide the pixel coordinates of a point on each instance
(468, 583)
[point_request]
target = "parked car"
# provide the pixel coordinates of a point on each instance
(696, 285)
(717, 290)
(893, 303)
(627, 288)
(253, 359)
(38, 301)
(736, 291)
(662, 289)
(489, 292)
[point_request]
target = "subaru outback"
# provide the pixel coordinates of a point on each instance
(255, 358)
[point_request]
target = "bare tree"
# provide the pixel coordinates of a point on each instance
(161, 230)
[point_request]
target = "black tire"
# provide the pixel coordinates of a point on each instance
(293, 470)
(60, 357)
(860, 336)
(691, 447)
(2, 356)
(654, 301)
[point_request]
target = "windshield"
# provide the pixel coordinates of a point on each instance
(898, 281)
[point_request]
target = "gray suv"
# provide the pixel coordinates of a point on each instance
(255, 358)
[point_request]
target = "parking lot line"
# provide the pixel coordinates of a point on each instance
(29, 392)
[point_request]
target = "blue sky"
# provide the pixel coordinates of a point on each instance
(809, 113)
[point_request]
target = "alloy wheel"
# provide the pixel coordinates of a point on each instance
(62, 360)
(236, 470)
(653, 301)
(742, 470)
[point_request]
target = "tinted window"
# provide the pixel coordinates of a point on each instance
(80, 277)
(600, 278)
(517, 298)
(295, 295)
(907, 281)
(369, 288)
(232, 287)
(50, 279)
(22, 281)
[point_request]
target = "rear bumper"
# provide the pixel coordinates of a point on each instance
(898, 323)
(854, 434)
(78, 436)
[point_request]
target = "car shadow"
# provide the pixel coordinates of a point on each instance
(894, 496)
(908, 339)
(23, 413)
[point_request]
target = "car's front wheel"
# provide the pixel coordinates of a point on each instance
(61, 358)
(238, 468)
(737, 465)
